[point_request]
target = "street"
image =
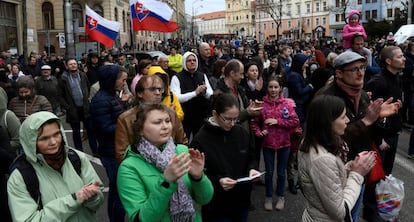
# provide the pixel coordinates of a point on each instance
(294, 205)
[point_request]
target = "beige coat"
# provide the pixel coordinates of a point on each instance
(327, 186)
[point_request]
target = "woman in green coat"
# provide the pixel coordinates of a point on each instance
(157, 180)
(65, 195)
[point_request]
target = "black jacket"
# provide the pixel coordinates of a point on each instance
(228, 154)
(386, 85)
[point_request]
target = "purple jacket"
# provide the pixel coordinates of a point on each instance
(278, 135)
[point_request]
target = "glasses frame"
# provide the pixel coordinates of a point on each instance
(153, 88)
(356, 69)
(228, 120)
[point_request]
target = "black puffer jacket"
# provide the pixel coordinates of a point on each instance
(106, 106)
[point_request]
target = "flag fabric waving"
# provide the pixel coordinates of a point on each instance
(100, 29)
(151, 15)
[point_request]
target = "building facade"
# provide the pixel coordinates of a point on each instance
(12, 25)
(240, 18)
(45, 25)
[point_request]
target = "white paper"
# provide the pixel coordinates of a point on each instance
(244, 179)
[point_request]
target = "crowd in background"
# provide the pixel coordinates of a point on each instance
(232, 105)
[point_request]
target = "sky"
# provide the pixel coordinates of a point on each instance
(208, 6)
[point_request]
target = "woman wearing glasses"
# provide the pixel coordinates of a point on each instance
(229, 156)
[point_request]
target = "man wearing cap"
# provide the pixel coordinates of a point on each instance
(365, 117)
(47, 85)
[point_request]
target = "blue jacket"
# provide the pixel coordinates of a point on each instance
(105, 108)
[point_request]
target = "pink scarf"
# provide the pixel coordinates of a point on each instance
(353, 93)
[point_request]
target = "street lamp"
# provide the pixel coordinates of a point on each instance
(193, 15)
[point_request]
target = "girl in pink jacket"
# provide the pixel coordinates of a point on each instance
(353, 27)
(274, 125)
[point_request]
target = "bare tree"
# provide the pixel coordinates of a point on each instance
(274, 9)
(341, 7)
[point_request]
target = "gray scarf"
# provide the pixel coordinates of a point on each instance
(181, 202)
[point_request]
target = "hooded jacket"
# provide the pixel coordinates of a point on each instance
(196, 107)
(9, 122)
(169, 98)
(55, 187)
(105, 108)
(299, 89)
(349, 30)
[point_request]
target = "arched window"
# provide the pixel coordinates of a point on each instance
(116, 14)
(99, 10)
(124, 20)
(77, 13)
(48, 16)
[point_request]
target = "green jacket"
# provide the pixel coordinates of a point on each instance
(140, 190)
(55, 187)
(9, 122)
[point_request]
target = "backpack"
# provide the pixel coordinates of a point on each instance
(29, 174)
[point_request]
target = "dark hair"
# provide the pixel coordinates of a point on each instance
(140, 87)
(49, 122)
(387, 53)
(142, 114)
(322, 112)
(232, 65)
(217, 66)
(277, 79)
(252, 63)
(223, 102)
(143, 63)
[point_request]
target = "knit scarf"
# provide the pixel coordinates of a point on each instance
(181, 202)
(353, 93)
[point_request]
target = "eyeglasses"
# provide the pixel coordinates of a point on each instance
(356, 69)
(228, 120)
(152, 89)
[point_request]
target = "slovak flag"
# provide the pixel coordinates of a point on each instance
(151, 15)
(100, 29)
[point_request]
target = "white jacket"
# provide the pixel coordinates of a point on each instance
(327, 185)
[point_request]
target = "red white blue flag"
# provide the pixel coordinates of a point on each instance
(100, 29)
(151, 15)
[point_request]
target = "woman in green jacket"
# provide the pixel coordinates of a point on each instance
(157, 180)
(65, 195)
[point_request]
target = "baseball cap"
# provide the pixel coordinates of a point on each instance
(346, 58)
(46, 67)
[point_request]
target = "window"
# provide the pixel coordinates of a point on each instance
(98, 9)
(324, 21)
(123, 21)
(228, 6)
(48, 16)
(308, 10)
(264, 26)
(317, 6)
(367, 1)
(374, 14)
(298, 23)
(308, 22)
(389, 12)
(298, 9)
(77, 13)
(324, 6)
(367, 15)
(317, 21)
(359, 2)
(273, 25)
(397, 12)
(289, 24)
(374, 1)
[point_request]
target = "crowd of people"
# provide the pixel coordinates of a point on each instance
(180, 130)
